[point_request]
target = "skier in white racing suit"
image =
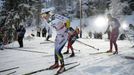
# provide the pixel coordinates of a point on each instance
(61, 38)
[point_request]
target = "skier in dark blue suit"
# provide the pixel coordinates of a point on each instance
(21, 32)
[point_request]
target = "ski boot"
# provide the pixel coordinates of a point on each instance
(116, 52)
(67, 52)
(72, 55)
(109, 51)
(62, 69)
(54, 66)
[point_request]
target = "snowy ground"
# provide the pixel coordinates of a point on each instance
(35, 56)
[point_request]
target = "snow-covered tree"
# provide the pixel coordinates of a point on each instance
(98, 6)
(117, 7)
(131, 4)
(19, 11)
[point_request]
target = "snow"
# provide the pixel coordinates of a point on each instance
(16, 16)
(35, 56)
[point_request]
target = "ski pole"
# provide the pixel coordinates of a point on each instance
(87, 45)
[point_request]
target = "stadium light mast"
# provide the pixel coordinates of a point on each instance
(80, 1)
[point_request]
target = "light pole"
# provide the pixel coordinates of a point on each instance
(80, 18)
(39, 5)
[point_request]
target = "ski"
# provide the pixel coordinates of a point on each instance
(129, 57)
(8, 69)
(46, 42)
(47, 69)
(103, 53)
(87, 45)
(11, 73)
(62, 53)
(76, 50)
(111, 54)
(68, 69)
(98, 53)
(17, 49)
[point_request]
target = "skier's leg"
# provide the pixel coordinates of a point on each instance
(56, 64)
(47, 39)
(72, 48)
(21, 41)
(62, 68)
(42, 34)
(59, 54)
(115, 44)
(37, 34)
(116, 48)
(72, 55)
(45, 34)
(72, 42)
(68, 46)
(56, 57)
(60, 44)
(111, 43)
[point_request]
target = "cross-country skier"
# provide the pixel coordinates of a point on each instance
(61, 38)
(131, 27)
(113, 26)
(21, 32)
(72, 36)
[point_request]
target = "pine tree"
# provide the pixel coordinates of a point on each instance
(19, 11)
(116, 8)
